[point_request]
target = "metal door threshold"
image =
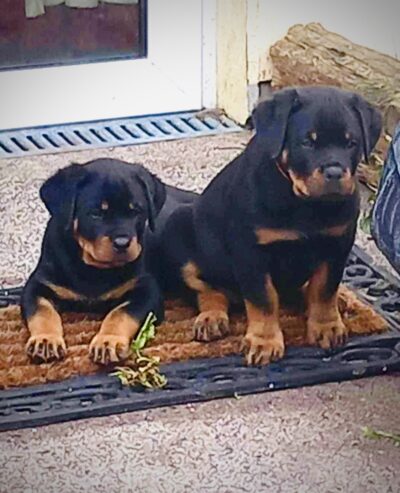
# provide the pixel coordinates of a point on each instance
(112, 133)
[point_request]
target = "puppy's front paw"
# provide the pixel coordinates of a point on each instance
(326, 333)
(46, 347)
(211, 325)
(108, 348)
(261, 350)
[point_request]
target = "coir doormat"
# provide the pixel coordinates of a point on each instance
(173, 341)
(195, 371)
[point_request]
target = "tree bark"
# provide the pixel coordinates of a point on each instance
(309, 54)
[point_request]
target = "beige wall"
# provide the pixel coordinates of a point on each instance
(239, 43)
(247, 28)
(232, 58)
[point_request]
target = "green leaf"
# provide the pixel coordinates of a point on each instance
(146, 333)
(365, 223)
(142, 370)
(376, 435)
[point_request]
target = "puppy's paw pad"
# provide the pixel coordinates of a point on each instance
(105, 348)
(262, 350)
(211, 325)
(326, 334)
(46, 347)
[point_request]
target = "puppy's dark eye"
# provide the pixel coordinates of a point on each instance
(351, 143)
(135, 208)
(308, 142)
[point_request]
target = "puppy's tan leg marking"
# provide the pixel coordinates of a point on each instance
(111, 344)
(46, 341)
(324, 325)
(212, 322)
(263, 341)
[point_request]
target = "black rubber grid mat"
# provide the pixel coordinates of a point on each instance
(206, 379)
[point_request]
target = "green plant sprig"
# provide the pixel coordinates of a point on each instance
(376, 435)
(142, 370)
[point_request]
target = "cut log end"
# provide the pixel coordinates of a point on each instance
(311, 55)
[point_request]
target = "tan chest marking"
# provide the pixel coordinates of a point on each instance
(69, 295)
(119, 291)
(65, 293)
(266, 236)
(336, 231)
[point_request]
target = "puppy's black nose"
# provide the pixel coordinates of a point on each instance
(121, 243)
(333, 172)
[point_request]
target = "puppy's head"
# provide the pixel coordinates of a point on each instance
(317, 136)
(105, 205)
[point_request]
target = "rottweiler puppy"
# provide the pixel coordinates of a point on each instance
(276, 223)
(91, 257)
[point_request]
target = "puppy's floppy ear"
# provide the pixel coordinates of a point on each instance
(270, 119)
(155, 193)
(370, 121)
(59, 192)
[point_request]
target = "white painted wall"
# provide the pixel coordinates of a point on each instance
(372, 23)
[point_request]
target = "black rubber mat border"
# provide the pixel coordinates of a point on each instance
(205, 379)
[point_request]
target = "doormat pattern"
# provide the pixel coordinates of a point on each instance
(204, 379)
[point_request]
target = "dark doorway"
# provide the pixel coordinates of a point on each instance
(67, 36)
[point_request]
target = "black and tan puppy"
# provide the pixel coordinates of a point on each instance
(278, 221)
(91, 257)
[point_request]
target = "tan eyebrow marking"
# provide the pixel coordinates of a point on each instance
(104, 206)
(347, 135)
(313, 136)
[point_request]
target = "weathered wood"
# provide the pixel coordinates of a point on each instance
(309, 54)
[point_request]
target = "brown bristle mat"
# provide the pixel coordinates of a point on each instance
(173, 341)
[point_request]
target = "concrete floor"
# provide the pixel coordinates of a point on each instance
(301, 440)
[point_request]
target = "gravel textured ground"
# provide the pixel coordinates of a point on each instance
(297, 441)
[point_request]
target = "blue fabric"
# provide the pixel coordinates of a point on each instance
(385, 226)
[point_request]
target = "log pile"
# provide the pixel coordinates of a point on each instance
(309, 54)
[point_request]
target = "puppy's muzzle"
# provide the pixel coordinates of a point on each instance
(121, 243)
(337, 179)
(333, 173)
(328, 181)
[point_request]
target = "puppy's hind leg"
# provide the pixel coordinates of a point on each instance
(212, 323)
(179, 248)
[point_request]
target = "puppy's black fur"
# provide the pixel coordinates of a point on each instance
(279, 218)
(91, 256)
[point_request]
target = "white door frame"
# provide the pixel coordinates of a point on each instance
(177, 75)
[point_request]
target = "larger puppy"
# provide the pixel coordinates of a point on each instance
(91, 257)
(279, 219)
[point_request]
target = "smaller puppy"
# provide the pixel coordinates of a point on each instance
(91, 257)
